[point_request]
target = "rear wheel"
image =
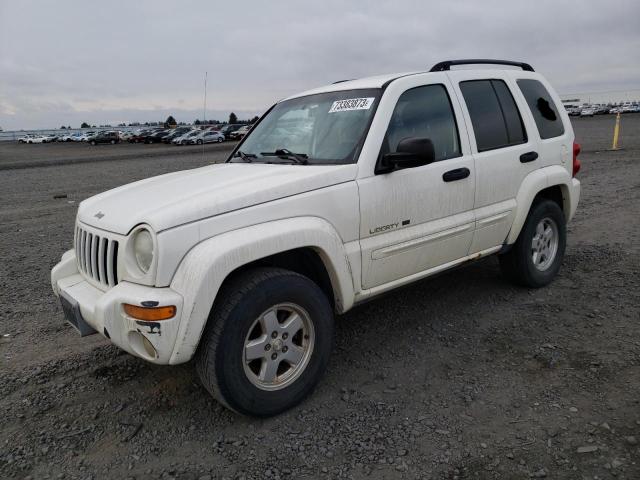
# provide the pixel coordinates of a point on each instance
(113, 142)
(93, 142)
(267, 342)
(535, 258)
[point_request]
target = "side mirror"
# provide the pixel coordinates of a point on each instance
(411, 152)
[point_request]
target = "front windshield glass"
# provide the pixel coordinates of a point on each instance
(325, 128)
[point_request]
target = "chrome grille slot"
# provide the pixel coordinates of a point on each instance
(97, 257)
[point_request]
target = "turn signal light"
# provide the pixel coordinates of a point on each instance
(150, 314)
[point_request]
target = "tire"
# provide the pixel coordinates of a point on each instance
(93, 142)
(242, 309)
(220, 139)
(535, 258)
(199, 142)
(113, 142)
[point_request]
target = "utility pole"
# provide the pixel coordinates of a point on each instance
(204, 108)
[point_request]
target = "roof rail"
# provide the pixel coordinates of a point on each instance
(446, 65)
(341, 81)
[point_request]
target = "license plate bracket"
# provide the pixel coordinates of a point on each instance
(73, 315)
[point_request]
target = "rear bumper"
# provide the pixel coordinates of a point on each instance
(574, 197)
(103, 311)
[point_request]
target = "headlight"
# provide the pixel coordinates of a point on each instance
(143, 249)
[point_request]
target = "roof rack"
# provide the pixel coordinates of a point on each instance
(446, 65)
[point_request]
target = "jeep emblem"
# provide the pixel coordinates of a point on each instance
(99, 215)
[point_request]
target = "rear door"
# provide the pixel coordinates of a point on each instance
(504, 152)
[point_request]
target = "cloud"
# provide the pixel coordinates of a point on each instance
(76, 60)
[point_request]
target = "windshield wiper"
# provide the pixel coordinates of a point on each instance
(245, 156)
(299, 158)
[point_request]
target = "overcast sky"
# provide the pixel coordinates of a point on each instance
(66, 62)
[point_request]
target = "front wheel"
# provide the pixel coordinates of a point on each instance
(535, 258)
(267, 341)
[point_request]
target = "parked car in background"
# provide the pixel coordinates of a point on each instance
(207, 136)
(186, 138)
(573, 110)
(156, 136)
(124, 136)
(229, 128)
(240, 133)
(138, 136)
(24, 138)
(104, 137)
(37, 139)
(587, 112)
(66, 137)
(601, 109)
(175, 133)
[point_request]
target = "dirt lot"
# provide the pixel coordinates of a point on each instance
(461, 376)
(14, 155)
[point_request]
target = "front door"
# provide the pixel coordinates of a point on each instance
(416, 219)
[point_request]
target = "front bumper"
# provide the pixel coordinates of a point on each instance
(103, 311)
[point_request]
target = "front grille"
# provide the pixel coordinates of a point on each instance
(97, 257)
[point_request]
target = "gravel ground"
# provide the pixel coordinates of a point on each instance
(463, 376)
(14, 155)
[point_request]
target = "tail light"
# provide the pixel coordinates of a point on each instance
(576, 162)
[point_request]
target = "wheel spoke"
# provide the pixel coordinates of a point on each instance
(270, 322)
(540, 230)
(256, 348)
(269, 370)
(294, 355)
(293, 324)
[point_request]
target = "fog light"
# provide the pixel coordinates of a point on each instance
(150, 314)
(148, 347)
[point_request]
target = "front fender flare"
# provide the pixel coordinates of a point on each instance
(207, 265)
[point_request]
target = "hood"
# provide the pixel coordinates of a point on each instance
(177, 198)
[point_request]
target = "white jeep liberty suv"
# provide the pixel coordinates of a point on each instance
(336, 195)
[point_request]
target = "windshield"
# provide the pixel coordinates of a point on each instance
(325, 128)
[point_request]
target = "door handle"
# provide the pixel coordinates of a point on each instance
(528, 157)
(457, 174)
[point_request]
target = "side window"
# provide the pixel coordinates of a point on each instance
(542, 107)
(424, 112)
(494, 114)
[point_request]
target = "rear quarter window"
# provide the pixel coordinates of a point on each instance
(544, 111)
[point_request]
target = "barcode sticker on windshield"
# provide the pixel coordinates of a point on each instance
(351, 104)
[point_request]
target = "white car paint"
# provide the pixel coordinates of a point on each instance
(207, 222)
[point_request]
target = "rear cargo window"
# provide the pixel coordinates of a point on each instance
(542, 107)
(494, 115)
